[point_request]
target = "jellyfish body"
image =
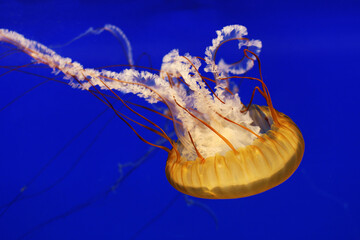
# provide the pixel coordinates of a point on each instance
(253, 169)
(224, 149)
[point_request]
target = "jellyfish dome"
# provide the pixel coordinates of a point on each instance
(223, 149)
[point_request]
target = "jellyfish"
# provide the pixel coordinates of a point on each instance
(224, 149)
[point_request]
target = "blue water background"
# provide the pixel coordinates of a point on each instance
(310, 62)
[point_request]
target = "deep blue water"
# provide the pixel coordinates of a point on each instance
(310, 62)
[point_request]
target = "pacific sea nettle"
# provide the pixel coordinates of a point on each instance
(224, 148)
